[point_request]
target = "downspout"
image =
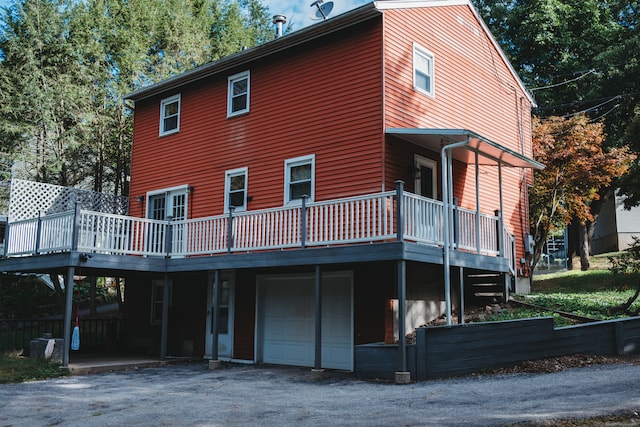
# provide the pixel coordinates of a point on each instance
(446, 205)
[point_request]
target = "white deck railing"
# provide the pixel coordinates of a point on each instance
(351, 220)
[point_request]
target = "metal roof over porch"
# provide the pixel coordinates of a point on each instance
(491, 153)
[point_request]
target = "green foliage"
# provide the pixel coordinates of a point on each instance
(627, 262)
(595, 305)
(578, 56)
(66, 65)
(15, 369)
(579, 282)
(25, 297)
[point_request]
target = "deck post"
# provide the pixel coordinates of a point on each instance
(68, 315)
(7, 236)
(38, 233)
(402, 316)
(165, 317)
(230, 229)
(461, 296)
(168, 238)
(303, 222)
(318, 309)
(216, 311)
(75, 233)
(399, 209)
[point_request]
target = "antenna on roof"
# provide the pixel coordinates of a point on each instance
(323, 9)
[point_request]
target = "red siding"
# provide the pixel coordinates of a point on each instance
(322, 98)
(474, 90)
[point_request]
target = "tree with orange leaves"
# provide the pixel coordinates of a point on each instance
(577, 168)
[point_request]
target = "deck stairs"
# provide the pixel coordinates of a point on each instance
(483, 287)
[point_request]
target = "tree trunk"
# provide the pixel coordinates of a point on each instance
(584, 247)
(572, 244)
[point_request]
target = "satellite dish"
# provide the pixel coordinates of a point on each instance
(322, 9)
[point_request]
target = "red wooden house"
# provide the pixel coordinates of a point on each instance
(343, 184)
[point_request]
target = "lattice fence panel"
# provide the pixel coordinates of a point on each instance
(28, 198)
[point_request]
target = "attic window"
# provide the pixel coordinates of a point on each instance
(238, 94)
(170, 115)
(423, 70)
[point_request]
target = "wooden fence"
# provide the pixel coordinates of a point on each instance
(445, 351)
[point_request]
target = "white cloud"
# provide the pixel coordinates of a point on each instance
(300, 12)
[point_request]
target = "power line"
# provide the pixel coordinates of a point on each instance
(591, 71)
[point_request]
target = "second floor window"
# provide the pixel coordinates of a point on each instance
(423, 70)
(299, 178)
(170, 115)
(236, 189)
(238, 94)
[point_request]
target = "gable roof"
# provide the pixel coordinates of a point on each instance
(363, 13)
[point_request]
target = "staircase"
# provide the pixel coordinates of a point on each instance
(484, 287)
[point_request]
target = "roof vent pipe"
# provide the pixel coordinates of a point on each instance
(279, 21)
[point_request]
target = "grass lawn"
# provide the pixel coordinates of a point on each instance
(15, 369)
(586, 293)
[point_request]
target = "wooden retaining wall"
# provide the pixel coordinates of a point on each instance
(445, 351)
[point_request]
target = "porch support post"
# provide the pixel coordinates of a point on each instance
(216, 311)
(402, 314)
(318, 310)
(478, 246)
(68, 315)
(165, 318)
(447, 180)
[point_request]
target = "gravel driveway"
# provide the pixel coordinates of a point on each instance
(192, 395)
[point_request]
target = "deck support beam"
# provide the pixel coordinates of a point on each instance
(402, 313)
(215, 326)
(318, 315)
(68, 313)
(165, 317)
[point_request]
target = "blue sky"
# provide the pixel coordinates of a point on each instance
(298, 12)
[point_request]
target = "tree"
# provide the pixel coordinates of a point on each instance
(578, 56)
(66, 65)
(577, 167)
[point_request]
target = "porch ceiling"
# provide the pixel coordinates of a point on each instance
(491, 153)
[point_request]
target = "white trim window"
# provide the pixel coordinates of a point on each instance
(299, 177)
(238, 94)
(235, 189)
(423, 77)
(170, 115)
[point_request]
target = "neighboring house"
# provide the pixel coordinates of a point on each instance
(341, 183)
(615, 227)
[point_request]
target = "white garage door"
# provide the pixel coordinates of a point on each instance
(287, 316)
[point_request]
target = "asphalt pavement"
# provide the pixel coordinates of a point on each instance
(241, 395)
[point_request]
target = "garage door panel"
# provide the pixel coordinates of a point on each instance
(289, 321)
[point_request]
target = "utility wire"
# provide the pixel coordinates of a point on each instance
(591, 71)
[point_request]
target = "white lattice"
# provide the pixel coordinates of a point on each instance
(29, 198)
